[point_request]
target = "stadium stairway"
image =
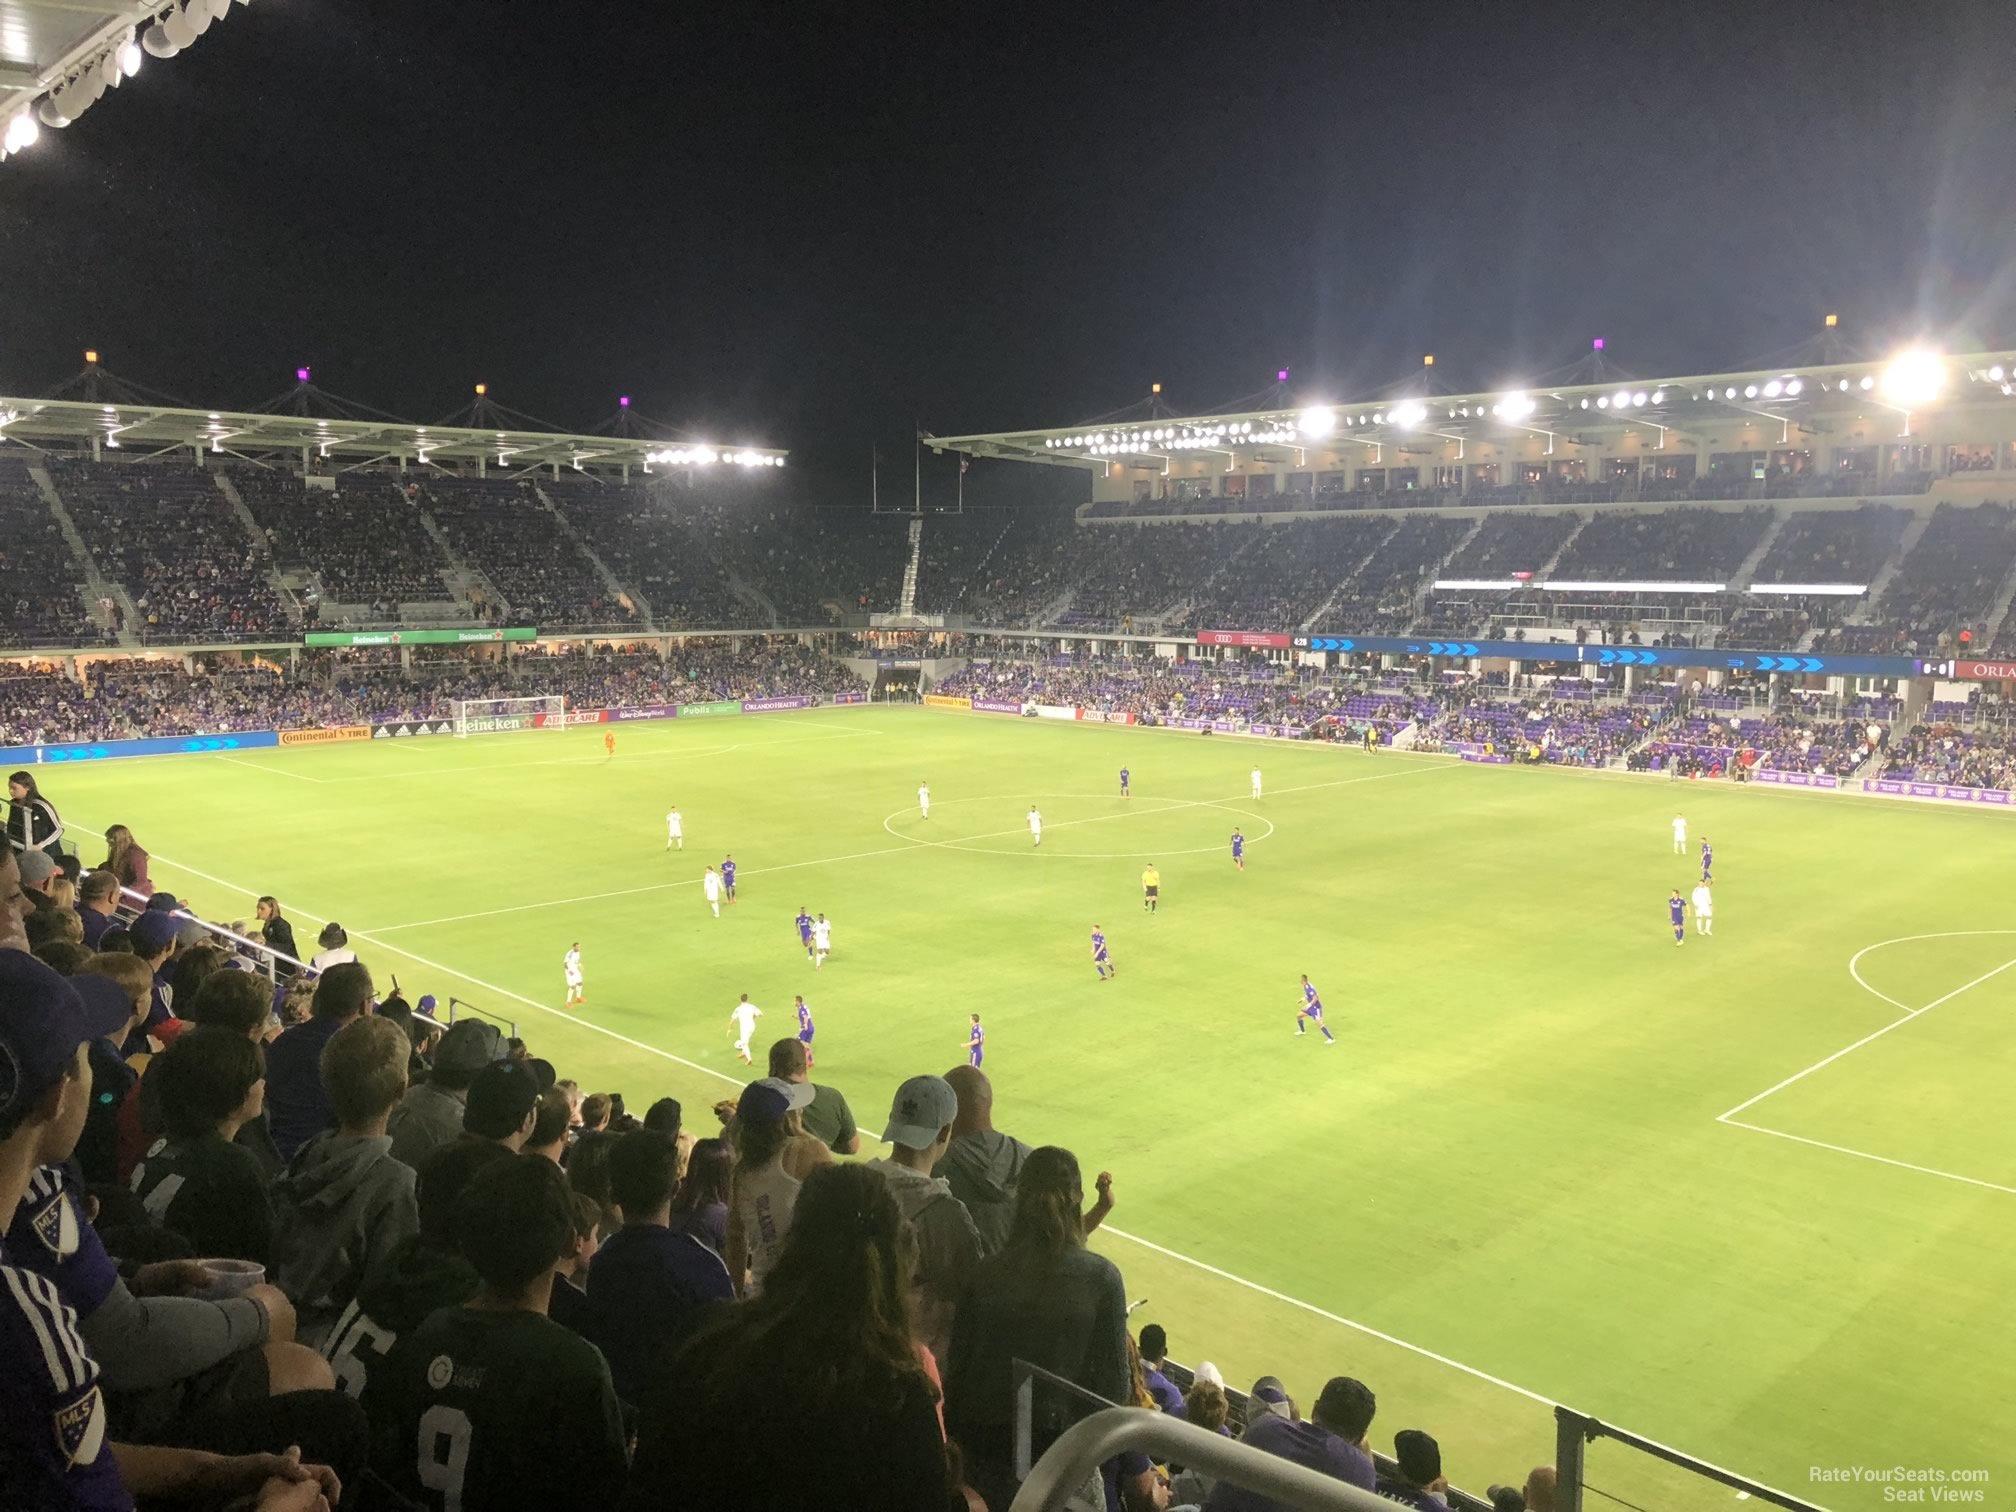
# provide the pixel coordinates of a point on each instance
(616, 589)
(1739, 580)
(906, 604)
(97, 586)
(282, 589)
(1356, 567)
(1992, 626)
(1428, 578)
(464, 581)
(1547, 567)
(753, 596)
(1921, 520)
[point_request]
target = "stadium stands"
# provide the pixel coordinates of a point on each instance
(41, 587)
(1379, 597)
(999, 567)
(814, 564)
(170, 538)
(656, 540)
(364, 540)
(1668, 545)
(1950, 579)
(1285, 572)
(504, 529)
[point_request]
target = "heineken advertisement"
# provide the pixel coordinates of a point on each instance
(417, 637)
(725, 706)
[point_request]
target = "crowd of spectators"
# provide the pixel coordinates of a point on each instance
(1379, 598)
(1943, 749)
(1507, 542)
(1285, 572)
(503, 529)
(364, 541)
(1668, 545)
(171, 539)
(296, 1246)
(658, 541)
(41, 587)
(812, 561)
(1148, 569)
(120, 698)
(1949, 581)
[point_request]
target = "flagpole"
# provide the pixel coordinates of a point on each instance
(961, 508)
(917, 457)
(874, 481)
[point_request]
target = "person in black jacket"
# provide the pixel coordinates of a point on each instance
(32, 822)
(278, 934)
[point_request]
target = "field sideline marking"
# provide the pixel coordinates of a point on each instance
(1149, 1244)
(276, 771)
(1734, 1122)
(668, 754)
(887, 850)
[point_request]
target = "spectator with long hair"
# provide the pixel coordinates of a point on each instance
(826, 1349)
(701, 1208)
(32, 821)
(1044, 1298)
(278, 933)
(764, 1190)
(127, 861)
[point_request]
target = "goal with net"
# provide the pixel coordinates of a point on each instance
(493, 716)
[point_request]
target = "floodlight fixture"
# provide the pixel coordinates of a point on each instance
(21, 132)
(1773, 389)
(1868, 382)
(1602, 401)
(178, 29)
(1995, 373)
(1316, 422)
(1793, 388)
(1638, 399)
(1914, 377)
(1517, 406)
(1409, 414)
(158, 43)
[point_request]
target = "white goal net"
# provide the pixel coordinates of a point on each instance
(493, 716)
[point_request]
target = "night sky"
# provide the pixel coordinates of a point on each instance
(808, 225)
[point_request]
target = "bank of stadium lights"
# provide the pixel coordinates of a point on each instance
(708, 456)
(1408, 414)
(1316, 422)
(1517, 406)
(173, 28)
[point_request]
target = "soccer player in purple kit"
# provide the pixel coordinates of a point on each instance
(976, 1043)
(1312, 1009)
(1125, 778)
(1101, 962)
(805, 930)
(1707, 860)
(1676, 910)
(728, 877)
(1239, 850)
(804, 1028)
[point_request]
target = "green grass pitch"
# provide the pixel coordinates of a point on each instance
(1511, 1175)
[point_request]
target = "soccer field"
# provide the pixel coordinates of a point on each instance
(1741, 1196)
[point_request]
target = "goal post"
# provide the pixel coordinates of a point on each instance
(494, 716)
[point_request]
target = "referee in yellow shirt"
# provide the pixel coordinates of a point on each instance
(1151, 887)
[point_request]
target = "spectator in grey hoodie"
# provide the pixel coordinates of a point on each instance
(344, 1203)
(948, 1245)
(430, 1115)
(982, 1165)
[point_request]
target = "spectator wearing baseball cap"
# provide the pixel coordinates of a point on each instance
(37, 867)
(948, 1245)
(1331, 1442)
(70, 1331)
(1416, 1479)
(430, 1115)
(503, 1099)
(765, 1189)
(153, 935)
(827, 1117)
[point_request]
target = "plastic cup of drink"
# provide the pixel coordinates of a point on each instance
(231, 1278)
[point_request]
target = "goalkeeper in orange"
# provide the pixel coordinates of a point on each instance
(609, 742)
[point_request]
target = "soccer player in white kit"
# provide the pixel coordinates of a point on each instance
(577, 991)
(822, 941)
(1256, 782)
(1035, 825)
(743, 1016)
(711, 886)
(1704, 910)
(924, 799)
(1679, 834)
(675, 830)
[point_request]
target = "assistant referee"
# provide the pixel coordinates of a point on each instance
(1151, 887)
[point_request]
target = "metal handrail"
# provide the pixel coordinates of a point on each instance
(1574, 1431)
(258, 950)
(1081, 1449)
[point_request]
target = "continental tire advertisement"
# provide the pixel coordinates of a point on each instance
(324, 737)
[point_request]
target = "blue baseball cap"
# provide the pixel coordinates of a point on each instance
(43, 1019)
(762, 1103)
(154, 932)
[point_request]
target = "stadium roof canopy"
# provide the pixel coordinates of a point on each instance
(1804, 400)
(141, 429)
(74, 50)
